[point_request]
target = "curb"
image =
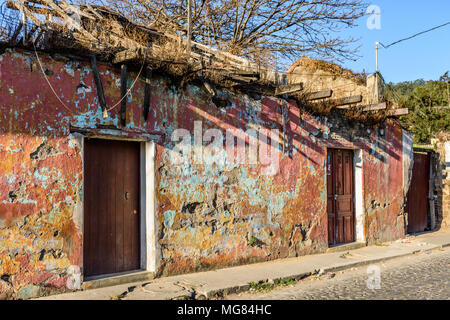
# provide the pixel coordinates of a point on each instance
(202, 295)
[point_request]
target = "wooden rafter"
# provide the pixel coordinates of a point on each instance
(397, 112)
(371, 107)
(320, 95)
(343, 103)
(228, 66)
(126, 55)
(124, 89)
(288, 89)
(98, 83)
(147, 92)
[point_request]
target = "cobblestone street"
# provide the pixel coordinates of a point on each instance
(422, 276)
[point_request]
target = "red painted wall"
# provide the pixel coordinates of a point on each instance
(209, 216)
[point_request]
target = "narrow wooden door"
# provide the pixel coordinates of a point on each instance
(111, 207)
(341, 219)
(417, 198)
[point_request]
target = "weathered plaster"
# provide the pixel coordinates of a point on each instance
(148, 205)
(206, 215)
(360, 218)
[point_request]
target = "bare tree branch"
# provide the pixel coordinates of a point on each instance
(255, 29)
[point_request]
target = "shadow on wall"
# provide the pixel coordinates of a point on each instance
(74, 83)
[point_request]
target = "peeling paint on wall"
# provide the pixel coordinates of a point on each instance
(208, 216)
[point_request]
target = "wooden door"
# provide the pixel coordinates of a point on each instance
(417, 198)
(341, 218)
(111, 207)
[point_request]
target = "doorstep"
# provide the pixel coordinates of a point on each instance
(346, 247)
(117, 279)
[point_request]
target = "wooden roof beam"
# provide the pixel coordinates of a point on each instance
(320, 95)
(371, 107)
(397, 112)
(147, 92)
(247, 73)
(123, 93)
(98, 84)
(126, 55)
(288, 89)
(242, 79)
(343, 102)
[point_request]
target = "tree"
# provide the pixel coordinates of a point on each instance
(427, 102)
(257, 29)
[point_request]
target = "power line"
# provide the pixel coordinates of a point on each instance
(413, 36)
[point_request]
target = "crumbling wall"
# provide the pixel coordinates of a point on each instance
(318, 75)
(442, 180)
(40, 242)
(208, 215)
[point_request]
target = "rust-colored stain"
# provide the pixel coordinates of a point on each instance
(207, 216)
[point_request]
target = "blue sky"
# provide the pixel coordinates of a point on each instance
(426, 56)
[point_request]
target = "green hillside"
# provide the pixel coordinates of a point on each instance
(428, 102)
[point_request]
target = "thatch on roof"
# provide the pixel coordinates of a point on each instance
(51, 26)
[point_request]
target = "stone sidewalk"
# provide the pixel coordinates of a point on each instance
(210, 284)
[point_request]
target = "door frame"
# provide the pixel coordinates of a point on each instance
(358, 193)
(147, 198)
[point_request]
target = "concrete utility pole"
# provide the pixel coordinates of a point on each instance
(189, 27)
(376, 54)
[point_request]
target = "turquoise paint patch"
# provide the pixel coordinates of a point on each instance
(373, 149)
(323, 193)
(42, 177)
(29, 292)
(169, 217)
(69, 68)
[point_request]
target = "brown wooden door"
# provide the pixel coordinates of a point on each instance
(417, 198)
(341, 219)
(111, 207)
